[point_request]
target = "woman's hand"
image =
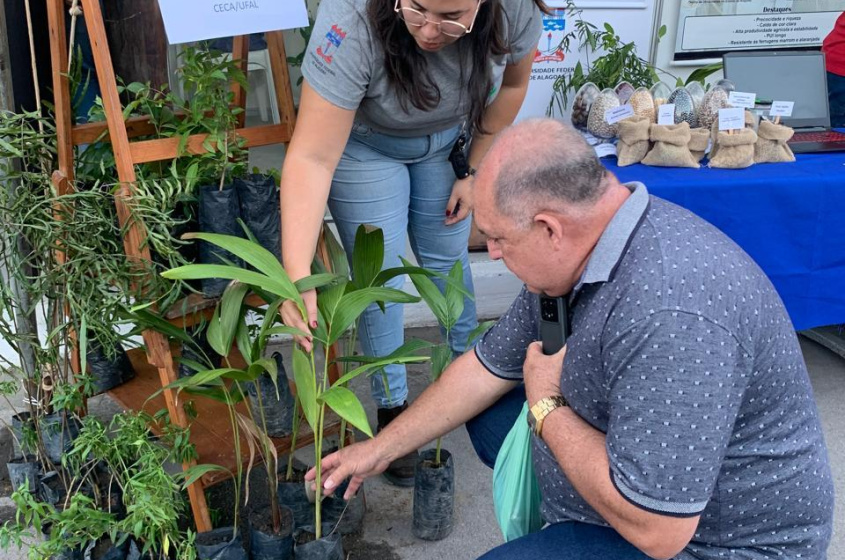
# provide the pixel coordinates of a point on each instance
(461, 202)
(292, 317)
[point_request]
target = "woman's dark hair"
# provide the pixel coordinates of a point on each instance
(406, 66)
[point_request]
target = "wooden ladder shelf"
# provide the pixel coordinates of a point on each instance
(158, 370)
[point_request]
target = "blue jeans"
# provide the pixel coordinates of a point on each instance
(487, 431)
(570, 540)
(836, 97)
(400, 185)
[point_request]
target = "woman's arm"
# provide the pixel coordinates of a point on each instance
(321, 133)
(497, 116)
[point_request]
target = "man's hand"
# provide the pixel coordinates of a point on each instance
(461, 201)
(542, 373)
(359, 460)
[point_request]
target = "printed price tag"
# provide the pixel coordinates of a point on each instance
(613, 116)
(781, 109)
(604, 150)
(742, 99)
(666, 114)
(732, 119)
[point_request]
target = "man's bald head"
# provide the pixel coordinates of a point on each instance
(542, 164)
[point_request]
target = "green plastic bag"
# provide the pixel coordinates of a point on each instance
(516, 494)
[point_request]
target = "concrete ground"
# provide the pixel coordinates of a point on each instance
(388, 520)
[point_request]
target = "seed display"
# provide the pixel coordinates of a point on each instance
(684, 107)
(596, 123)
(715, 99)
(584, 99)
(643, 104)
(697, 93)
(660, 92)
(624, 91)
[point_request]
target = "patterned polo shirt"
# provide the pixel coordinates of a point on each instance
(683, 354)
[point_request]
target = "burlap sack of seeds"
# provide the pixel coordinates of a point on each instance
(671, 146)
(699, 138)
(771, 146)
(714, 132)
(736, 151)
(714, 139)
(750, 120)
(633, 140)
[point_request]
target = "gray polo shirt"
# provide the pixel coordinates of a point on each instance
(344, 63)
(683, 354)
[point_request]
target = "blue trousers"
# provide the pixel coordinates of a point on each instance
(569, 540)
(836, 97)
(401, 185)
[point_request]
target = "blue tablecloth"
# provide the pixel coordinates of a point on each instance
(787, 216)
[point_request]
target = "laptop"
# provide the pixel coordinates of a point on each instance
(798, 76)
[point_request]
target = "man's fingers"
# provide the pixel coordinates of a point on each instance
(354, 484)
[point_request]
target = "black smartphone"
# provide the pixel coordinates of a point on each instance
(459, 157)
(554, 323)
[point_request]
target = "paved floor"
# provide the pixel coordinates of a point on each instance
(388, 517)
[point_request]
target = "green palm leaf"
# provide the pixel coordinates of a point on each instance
(352, 304)
(347, 406)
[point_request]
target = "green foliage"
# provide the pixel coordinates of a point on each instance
(121, 456)
(340, 301)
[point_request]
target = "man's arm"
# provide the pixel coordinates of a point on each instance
(582, 454)
(464, 390)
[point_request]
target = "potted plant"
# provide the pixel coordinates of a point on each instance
(434, 472)
(120, 493)
(340, 303)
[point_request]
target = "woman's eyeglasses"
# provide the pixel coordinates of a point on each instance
(446, 26)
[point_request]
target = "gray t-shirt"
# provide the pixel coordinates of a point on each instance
(344, 63)
(683, 354)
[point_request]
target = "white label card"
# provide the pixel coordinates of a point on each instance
(781, 109)
(195, 20)
(604, 150)
(732, 119)
(613, 116)
(742, 99)
(666, 113)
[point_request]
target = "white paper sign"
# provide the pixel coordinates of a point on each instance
(613, 116)
(666, 113)
(732, 118)
(781, 109)
(604, 150)
(195, 20)
(742, 99)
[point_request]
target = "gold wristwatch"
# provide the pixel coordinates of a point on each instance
(541, 409)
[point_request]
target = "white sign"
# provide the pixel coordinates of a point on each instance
(604, 150)
(781, 109)
(552, 62)
(729, 25)
(732, 119)
(613, 116)
(666, 113)
(742, 99)
(196, 20)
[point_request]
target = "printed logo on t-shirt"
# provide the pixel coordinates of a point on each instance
(334, 38)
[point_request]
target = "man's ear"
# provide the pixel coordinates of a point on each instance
(552, 227)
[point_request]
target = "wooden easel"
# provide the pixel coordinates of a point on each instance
(127, 154)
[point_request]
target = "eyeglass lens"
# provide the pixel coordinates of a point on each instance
(417, 19)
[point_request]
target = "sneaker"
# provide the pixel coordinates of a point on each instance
(401, 471)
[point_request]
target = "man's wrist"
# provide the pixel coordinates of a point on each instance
(540, 410)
